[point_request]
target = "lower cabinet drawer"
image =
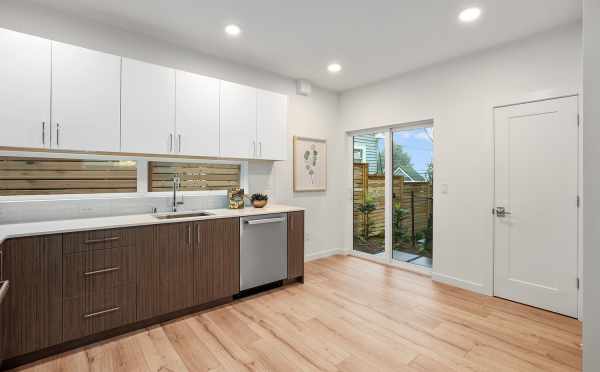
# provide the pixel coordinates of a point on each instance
(89, 272)
(98, 311)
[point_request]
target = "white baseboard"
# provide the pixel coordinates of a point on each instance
(322, 254)
(460, 283)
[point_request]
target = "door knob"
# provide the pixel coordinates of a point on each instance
(501, 212)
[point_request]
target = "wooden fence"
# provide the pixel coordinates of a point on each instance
(410, 196)
(194, 176)
(31, 176)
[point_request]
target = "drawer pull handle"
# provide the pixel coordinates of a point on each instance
(110, 269)
(93, 241)
(103, 312)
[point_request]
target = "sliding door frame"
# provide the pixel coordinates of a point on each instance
(388, 213)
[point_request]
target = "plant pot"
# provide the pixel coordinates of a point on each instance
(259, 203)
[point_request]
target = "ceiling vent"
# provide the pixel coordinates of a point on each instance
(303, 88)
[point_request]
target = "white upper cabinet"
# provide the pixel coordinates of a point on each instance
(147, 108)
(62, 97)
(24, 90)
(271, 126)
(238, 121)
(86, 94)
(197, 115)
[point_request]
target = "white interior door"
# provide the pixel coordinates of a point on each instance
(536, 185)
(86, 99)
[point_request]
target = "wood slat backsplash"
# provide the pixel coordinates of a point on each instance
(194, 176)
(31, 176)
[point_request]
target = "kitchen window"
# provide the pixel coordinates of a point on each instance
(39, 176)
(193, 176)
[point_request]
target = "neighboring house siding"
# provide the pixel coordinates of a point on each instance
(368, 143)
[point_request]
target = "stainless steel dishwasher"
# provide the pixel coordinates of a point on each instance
(263, 250)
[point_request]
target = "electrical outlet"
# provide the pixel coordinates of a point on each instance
(307, 237)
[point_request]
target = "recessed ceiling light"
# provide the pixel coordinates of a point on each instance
(469, 15)
(233, 30)
(334, 67)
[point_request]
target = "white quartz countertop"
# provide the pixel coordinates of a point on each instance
(18, 230)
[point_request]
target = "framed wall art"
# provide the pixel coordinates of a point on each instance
(310, 164)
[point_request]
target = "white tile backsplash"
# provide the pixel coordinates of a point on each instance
(19, 211)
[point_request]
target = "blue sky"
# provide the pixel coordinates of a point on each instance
(417, 143)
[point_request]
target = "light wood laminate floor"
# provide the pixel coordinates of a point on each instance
(350, 315)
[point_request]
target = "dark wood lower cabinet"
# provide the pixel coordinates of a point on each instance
(177, 254)
(33, 305)
(69, 288)
(217, 266)
(295, 244)
(101, 310)
(148, 274)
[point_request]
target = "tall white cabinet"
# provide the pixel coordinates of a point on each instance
(253, 123)
(86, 91)
(197, 115)
(238, 121)
(271, 125)
(147, 108)
(24, 90)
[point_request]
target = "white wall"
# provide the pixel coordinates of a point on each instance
(314, 116)
(310, 117)
(591, 183)
(459, 96)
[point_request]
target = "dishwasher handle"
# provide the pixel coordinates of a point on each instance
(265, 220)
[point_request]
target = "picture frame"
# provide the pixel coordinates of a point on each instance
(310, 164)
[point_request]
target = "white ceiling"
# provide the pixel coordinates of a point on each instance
(372, 40)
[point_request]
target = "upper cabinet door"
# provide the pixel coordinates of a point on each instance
(271, 127)
(86, 95)
(24, 90)
(238, 121)
(147, 108)
(197, 114)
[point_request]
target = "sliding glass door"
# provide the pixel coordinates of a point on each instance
(412, 196)
(393, 195)
(368, 184)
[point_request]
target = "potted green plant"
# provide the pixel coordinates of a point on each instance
(259, 200)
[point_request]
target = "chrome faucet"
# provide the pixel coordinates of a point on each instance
(175, 203)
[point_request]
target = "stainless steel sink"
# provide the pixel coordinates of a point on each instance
(169, 216)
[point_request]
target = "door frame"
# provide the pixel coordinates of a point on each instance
(387, 130)
(527, 100)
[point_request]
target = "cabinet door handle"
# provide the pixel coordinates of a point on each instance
(1, 265)
(189, 235)
(44, 133)
(170, 142)
(197, 238)
(260, 149)
(57, 134)
(179, 139)
(103, 312)
(3, 289)
(254, 148)
(110, 269)
(94, 241)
